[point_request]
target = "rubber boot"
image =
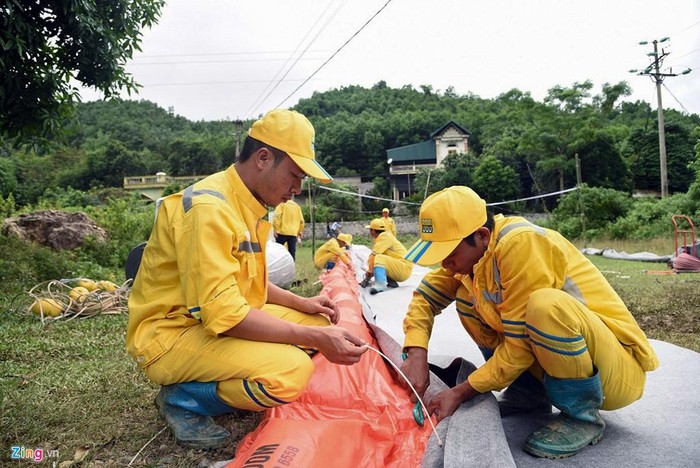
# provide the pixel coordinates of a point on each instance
(579, 423)
(379, 280)
(526, 395)
(187, 408)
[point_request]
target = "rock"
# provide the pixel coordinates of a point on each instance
(59, 230)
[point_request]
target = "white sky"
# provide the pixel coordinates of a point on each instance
(228, 59)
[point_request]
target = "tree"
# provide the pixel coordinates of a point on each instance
(46, 44)
(494, 181)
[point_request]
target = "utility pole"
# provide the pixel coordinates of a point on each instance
(239, 129)
(654, 71)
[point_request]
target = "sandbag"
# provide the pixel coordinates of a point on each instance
(281, 270)
(349, 416)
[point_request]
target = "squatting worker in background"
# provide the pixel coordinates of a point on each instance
(386, 262)
(550, 326)
(333, 251)
(389, 221)
(204, 322)
(288, 225)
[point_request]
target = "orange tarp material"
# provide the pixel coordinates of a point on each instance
(349, 416)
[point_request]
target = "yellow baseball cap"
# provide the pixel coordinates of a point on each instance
(291, 132)
(377, 224)
(347, 238)
(445, 218)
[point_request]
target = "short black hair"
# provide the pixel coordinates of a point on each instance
(488, 224)
(251, 145)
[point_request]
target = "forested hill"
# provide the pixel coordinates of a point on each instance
(524, 145)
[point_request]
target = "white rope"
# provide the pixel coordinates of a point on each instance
(145, 445)
(430, 420)
(354, 194)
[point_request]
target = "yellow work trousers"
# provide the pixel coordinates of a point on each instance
(396, 268)
(251, 375)
(568, 340)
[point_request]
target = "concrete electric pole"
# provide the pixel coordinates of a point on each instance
(654, 71)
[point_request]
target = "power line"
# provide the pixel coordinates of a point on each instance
(674, 97)
(334, 53)
(263, 96)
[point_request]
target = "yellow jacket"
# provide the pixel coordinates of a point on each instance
(330, 251)
(390, 224)
(520, 259)
(204, 263)
(288, 219)
(387, 244)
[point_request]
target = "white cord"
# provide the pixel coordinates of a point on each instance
(145, 445)
(430, 420)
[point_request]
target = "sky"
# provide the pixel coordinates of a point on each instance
(237, 59)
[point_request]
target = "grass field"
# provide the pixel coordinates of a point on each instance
(70, 389)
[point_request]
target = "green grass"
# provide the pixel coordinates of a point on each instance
(70, 385)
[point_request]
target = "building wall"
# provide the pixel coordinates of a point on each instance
(450, 140)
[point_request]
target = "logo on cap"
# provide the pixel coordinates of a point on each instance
(426, 225)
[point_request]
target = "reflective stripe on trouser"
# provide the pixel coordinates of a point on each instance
(397, 269)
(568, 340)
(485, 337)
(251, 375)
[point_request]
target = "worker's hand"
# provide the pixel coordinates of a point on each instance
(340, 346)
(445, 403)
(415, 368)
(323, 305)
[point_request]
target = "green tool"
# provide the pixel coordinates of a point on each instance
(418, 415)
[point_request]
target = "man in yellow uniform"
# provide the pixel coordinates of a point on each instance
(552, 329)
(204, 322)
(288, 225)
(333, 251)
(386, 263)
(389, 221)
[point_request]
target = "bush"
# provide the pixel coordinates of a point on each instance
(601, 207)
(651, 218)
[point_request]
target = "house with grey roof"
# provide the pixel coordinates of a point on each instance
(405, 161)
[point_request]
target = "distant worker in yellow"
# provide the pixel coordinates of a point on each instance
(333, 251)
(389, 221)
(386, 263)
(288, 224)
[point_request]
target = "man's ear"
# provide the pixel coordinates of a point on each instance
(484, 234)
(263, 158)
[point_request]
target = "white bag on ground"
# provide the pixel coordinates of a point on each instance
(281, 269)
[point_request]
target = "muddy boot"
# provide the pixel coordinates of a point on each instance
(579, 423)
(525, 395)
(187, 409)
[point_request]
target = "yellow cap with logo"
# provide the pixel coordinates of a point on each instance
(291, 132)
(445, 218)
(377, 224)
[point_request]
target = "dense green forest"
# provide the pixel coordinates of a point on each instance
(519, 147)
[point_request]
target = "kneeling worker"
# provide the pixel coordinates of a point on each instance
(334, 250)
(386, 263)
(205, 323)
(552, 329)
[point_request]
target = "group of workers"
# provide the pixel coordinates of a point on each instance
(207, 326)
(386, 263)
